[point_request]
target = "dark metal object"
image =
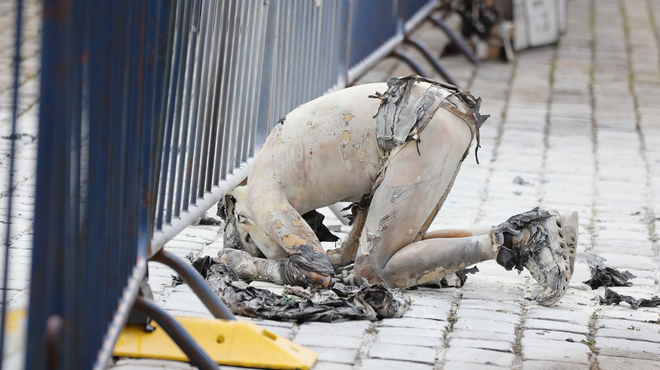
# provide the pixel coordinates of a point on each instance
(177, 332)
(419, 70)
(433, 60)
(455, 39)
(196, 282)
(14, 116)
(102, 72)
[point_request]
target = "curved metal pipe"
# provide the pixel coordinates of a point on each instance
(459, 42)
(410, 62)
(196, 282)
(433, 60)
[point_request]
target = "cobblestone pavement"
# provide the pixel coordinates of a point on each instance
(577, 122)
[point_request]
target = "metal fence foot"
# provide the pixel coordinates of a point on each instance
(433, 60)
(459, 42)
(178, 334)
(196, 282)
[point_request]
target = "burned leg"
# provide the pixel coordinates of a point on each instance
(428, 260)
(412, 188)
(457, 233)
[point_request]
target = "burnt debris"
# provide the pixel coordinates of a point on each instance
(612, 297)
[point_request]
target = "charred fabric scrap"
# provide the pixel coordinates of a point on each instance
(607, 276)
(612, 297)
(362, 302)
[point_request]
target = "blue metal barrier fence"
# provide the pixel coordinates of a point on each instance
(150, 112)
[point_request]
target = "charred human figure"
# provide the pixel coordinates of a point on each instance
(394, 150)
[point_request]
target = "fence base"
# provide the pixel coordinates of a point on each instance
(233, 343)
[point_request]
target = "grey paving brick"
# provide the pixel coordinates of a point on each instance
(377, 364)
(424, 333)
(331, 366)
(335, 355)
(330, 341)
(618, 363)
(414, 323)
(638, 315)
(432, 313)
(500, 317)
(483, 344)
(535, 324)
(402, 353)
(458, 365)
(570, 315)
(484, 326)
(331, 330)
(628, 345)
(631, 334)
(572, 345)
(556, 355)
(411, 340)
(553, 335)
(550, 365)
(490, 305)
(479, 335)
(479, 356)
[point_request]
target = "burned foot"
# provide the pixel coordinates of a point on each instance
(539, 241)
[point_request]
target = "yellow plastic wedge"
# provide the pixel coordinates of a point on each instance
(234, 343)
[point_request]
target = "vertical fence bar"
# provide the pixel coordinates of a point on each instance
(268, 79)
(166, 179)
(228, 69)
(201, 150)
(192, 100)
(185, 96)
(18, 28)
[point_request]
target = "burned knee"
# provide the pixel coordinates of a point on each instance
(307, 267)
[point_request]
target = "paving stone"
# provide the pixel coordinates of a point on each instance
(572, 345)
(482, 344)
(550, 365)
(638, 315)
(424, 312)
(627, 325)
(634, 334)
(569, 315)
(402, 352)
(458, 365)
(332, 341)
(377, 364)
(628, 345)
(479, 335)
(553, 335)
(490, 305)
(136, 364)
(414, 323)
(335, 355)
(433, 333)
(479, 356)
(329, 366)
(535, 324)
(331, 330)
(556, 355)
(619, 363)
(501, 317)
(411, 340)
(484, 326)
(352, 324)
